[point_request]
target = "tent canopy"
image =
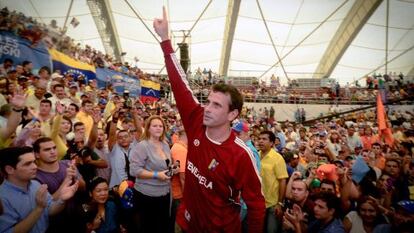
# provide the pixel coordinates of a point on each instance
(252, 52)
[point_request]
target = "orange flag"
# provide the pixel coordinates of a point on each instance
(383, 130)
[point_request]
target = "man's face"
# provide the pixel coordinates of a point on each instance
(12, 75)
(40, 92)
(7, 64)
(44, 74)
(264, 142)
(351, 132)
(327, 188)
(392, 168)
(45, 108)
(376, 149)
(216, 110)
(124, 139)
(25, 169)
(70, 111)
(19, 69)
(294, 162)
(101, 138)
(60, 92)
(299, 191)
(321, 210)
(80, 130)
(88, 108)
(29, 67)
(47, 153)
(73, 90)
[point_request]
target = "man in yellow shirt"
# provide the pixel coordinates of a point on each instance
(85, 116)
(274, 175)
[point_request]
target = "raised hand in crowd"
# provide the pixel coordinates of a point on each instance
(60, 109)
(17, 101)
(293, 219)
(97, 117)
(161, 25)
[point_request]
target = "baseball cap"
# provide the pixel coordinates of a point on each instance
(241, 126)
(22, 78)
(407, 205)
(102, 101)
(322, 134)
(338, 161)
(56, 75)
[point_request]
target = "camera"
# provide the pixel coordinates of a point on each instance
(172, 167)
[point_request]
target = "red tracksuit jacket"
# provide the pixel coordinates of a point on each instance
(217, 175)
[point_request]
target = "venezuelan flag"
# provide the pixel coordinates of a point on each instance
(66, 64)
(150, 91)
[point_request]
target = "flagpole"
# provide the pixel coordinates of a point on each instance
(67, 15)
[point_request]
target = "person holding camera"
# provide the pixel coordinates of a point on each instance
(150, 164)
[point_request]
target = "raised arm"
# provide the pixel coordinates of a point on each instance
(17, 103)
(112, 129)
(295, 175)
(94, 131)
(137, 121)
(186, 102)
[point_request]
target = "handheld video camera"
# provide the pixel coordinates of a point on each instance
(172, 167)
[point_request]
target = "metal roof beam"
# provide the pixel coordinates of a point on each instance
(104, 21)
(356, 18)
(231, 21)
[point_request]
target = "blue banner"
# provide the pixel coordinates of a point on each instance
(120, 82)
(20, 50)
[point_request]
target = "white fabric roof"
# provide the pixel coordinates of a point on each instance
(252, 52)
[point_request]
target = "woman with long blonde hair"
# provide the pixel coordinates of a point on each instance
(149, 163)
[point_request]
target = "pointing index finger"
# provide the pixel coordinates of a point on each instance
(164, 13)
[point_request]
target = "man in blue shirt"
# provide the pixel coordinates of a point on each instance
(326, 213)
(241, 129)
(27, 204)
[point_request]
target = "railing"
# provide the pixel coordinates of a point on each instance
(306, 100)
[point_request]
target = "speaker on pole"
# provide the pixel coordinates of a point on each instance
(184, 57)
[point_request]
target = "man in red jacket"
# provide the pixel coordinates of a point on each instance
(220, 168)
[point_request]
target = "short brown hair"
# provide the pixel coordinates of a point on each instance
(146, 135)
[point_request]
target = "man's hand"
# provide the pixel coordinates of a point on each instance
(278, 211)
(68, 190)
(18, 99)
(161, 25)
(41, 196)
(71, 171)
(59, 108)
(96, 117)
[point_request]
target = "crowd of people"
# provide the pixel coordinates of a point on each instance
(77, 158)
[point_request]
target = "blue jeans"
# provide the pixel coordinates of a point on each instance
(272, 224)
